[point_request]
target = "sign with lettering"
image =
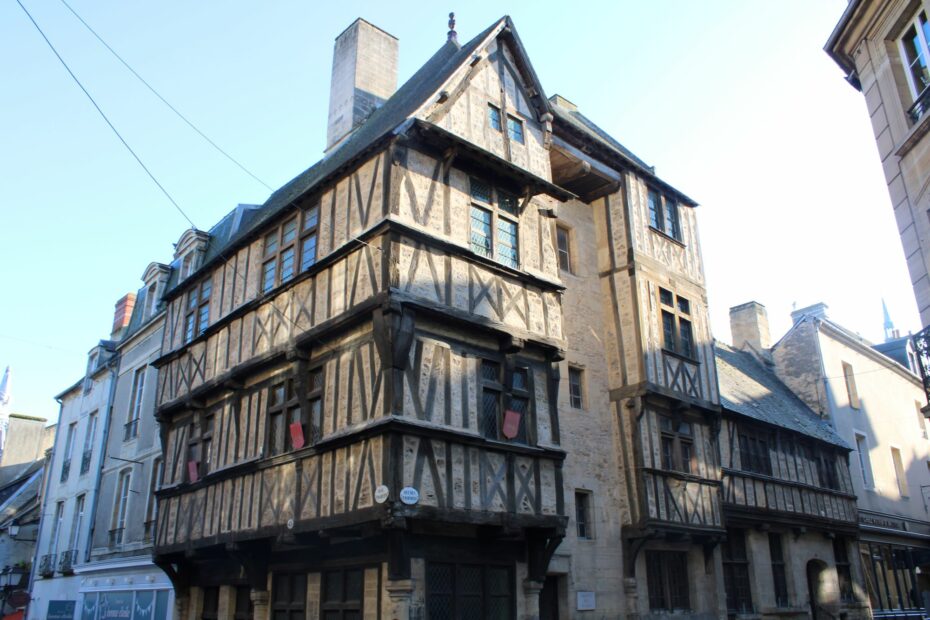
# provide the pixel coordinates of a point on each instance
(115, 605)
(60, 610)
(381, 494)
(409, 496)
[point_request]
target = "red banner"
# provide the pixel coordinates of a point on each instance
(297, 435)
(511, 423)
(193, 471)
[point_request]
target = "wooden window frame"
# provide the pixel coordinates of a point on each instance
(576, 389)
(779, 574)
(584, 526)
(677, 310)
(200, 444)
(279, 246)
(343, 605)
(309, 234)
(495, 118)
(825, 465)
(664, 214)
(515, 129)
(506, 393)
(494, 207)
(736, 573)
(675, 459)
(197, 309)
(296, 606)
(137, 395)
(755, 451)
(663, 567)
(301, 401)
(457, 593)
(564, 254)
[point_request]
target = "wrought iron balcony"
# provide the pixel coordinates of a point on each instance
(66, 560)
(131, 429)
(65, 470)
(920, 106)
(47, 565)
(85, 461)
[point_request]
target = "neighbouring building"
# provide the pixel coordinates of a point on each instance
(788, 499)
(118, 578)
(882, 46)
(72, 477)
(874, 404)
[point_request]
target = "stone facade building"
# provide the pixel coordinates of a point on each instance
(874, 404)
(882, 46)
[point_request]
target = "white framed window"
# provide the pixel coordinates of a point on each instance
(120, 507)
(89, 434)
(915, 53)
(77, 523)
(135, 405)
(56, 527)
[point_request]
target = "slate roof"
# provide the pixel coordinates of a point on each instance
(382, 122)
(896, 349)
(751, 390)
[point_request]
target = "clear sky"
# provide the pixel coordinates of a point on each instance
(735, 103)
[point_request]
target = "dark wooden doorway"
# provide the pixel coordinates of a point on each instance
(549, 599)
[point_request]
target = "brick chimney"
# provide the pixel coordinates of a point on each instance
(818, 310)
(364, 76)
(122, 314)
(749, 323)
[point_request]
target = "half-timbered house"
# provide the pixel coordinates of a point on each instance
(357, 392)
(788, 500)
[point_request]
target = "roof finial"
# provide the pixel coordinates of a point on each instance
(453, 36)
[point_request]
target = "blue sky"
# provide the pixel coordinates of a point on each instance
(734, 102)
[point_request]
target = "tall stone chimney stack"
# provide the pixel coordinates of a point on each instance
(364, 76)
(749, 322)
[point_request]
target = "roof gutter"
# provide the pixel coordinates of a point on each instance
(845, 62)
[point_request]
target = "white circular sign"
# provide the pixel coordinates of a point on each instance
(409, 496)
(290, 524)
(381, 494)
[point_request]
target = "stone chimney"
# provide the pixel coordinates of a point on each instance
(749, 323)
(818, 310)
(364, 76)
(122, 314)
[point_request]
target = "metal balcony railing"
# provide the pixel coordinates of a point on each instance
(85, 461)
(66, 561)
(65, 470)
(47, 565)
(920, 106)
(116, 536)
(131, 429)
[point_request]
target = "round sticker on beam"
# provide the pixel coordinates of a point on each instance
(409, 496)
(381, 493)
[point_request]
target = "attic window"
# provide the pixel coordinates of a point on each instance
(494, 118)
(515, 129)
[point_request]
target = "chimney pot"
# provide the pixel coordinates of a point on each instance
(749, 323)
(364, 77)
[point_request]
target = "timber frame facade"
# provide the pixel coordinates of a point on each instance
(300, 394)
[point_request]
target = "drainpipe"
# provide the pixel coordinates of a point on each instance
(114, 368)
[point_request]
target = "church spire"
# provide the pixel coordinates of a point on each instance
(890, 332)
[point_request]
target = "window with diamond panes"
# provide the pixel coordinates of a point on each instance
(494, 224)
(736, 573)
(469, 591)
(343, 594)
(289, 596)
(497, 400)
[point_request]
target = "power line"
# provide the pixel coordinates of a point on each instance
(104, 116)
(163, 100)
